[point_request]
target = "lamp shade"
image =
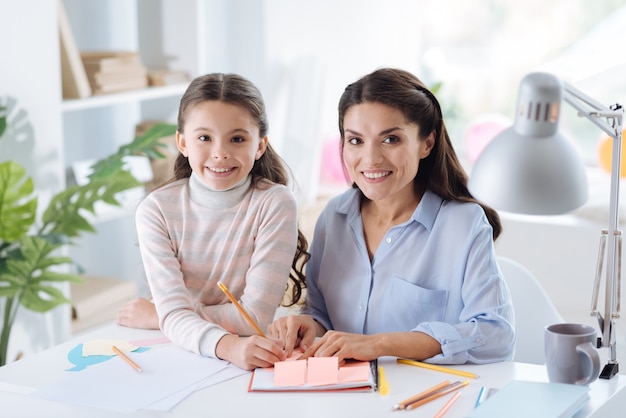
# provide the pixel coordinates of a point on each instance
(532, 168)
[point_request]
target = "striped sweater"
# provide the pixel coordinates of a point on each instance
(191, 237)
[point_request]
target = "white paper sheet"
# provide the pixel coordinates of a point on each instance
(115, 385)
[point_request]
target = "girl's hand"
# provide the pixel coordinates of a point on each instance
(296, 331)
(344, 346)
(138, 313)
(249, 352)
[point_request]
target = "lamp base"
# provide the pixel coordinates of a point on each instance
(610, 370)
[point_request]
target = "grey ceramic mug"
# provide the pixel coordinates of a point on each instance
(571, 354)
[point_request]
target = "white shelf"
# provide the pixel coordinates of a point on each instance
(123, 97)
(93, 127)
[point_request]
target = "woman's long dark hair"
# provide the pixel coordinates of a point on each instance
(441, 171)
(236, 90)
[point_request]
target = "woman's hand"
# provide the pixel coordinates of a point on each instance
(138, 313)
(249, 352)
(296, 331)
(344, 346)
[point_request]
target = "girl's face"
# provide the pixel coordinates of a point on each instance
(382, 151)
(221, 141)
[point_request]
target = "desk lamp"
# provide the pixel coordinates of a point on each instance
(532, 168)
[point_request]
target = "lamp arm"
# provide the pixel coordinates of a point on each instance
(611, 304)
(611, 114)
(609, 120)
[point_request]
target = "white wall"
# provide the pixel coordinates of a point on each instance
(479, 49)
(29, 51)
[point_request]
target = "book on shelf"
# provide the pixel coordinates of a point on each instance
(98, 299)
(110, 60)
(131, 83)
(117, 77)
(73, 77)
(167, 77)
(114, 71)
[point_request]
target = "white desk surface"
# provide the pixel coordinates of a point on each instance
(231, 399)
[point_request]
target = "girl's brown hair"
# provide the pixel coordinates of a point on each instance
(235, 89)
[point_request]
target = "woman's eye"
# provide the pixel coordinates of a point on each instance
(354, 141)
(204, 138)
(391, 140)
(238, 139)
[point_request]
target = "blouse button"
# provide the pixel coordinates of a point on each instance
(388, 240)
(361, 307)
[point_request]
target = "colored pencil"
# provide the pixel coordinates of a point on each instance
(437, 368)
(240, 308)
(450, 388)
(384, 384)
(447, 405)
(126, 358)
(421, 395)
(479, 399)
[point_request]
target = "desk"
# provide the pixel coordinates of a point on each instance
(231, 399)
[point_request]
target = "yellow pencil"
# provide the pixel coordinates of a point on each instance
(384, 384)
(238, 306)
(126, 358)
(437, 368)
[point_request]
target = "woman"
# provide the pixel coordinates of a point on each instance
(403, 264)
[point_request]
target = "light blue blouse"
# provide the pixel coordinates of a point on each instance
(437, 273)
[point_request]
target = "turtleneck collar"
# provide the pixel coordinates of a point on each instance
(217, 199)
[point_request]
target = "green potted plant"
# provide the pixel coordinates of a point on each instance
(31, 260)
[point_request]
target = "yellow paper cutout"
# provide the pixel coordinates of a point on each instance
(103, 347)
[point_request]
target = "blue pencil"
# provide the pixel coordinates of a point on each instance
(480, 396)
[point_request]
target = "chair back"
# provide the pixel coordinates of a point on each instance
(533, 311)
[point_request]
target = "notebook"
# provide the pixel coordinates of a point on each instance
(316, 374)
(533, 399)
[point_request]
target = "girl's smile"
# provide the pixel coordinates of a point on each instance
(222, 142)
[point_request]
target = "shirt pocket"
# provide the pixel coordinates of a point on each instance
(405, 305)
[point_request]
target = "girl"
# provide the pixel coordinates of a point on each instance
(227, 216)
(403, 264)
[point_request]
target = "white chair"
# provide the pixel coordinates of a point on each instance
(533, 311)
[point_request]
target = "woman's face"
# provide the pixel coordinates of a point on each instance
(382, 151)
(221, 141)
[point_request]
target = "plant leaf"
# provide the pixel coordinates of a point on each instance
(18, 206)
(8, 291)
(28, 275)
(3, 120)
(63, 214)
(147, 144)
(42, 298)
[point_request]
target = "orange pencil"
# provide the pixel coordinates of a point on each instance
(450, 388)
(126, 358)
(421, 395)
(238, 306)
(447, 406)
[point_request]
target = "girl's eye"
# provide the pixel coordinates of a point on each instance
(391, 140)
(238, 139)
(354, 141)
(204, 138)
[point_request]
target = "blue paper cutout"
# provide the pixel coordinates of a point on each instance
(75, 356)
